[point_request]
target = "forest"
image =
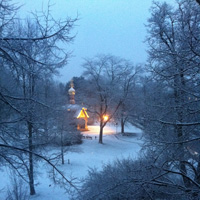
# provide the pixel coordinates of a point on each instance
(161, 97)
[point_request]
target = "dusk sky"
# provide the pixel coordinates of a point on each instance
(105, 27)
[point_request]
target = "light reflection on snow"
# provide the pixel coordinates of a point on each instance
(94, 130)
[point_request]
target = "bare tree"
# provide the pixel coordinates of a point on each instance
(129, 87)
(173, 60)
(110, 80)
(30, 52)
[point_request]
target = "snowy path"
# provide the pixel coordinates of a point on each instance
(89, 154)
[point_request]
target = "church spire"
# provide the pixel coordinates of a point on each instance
(72, 83)
(71, 92)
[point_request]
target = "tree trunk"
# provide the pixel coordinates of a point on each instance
(179, 83)
(197, 178)
(182, 165)
(122, 126)
(62, 147)
(46, 132)
(31, 175)
(62, 155)
(198, 1)
(122, 119)
(101, 133)
(184, 171)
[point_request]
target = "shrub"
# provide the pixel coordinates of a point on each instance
(17, 189)
(131, 180)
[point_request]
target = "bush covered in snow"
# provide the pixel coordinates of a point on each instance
(132, 179)
(17, 190)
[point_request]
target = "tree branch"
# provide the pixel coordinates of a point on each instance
(43, 158)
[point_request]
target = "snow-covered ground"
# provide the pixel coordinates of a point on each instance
(87, 155)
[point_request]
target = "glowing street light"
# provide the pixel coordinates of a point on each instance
(105, 117)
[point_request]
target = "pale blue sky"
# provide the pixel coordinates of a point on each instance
(106, 26)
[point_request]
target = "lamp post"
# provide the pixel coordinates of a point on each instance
(105, 118)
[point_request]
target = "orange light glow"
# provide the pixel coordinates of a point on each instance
(105, 117)
(83, 114)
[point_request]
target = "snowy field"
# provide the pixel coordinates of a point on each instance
(89, 154)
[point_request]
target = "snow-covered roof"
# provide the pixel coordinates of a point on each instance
(83, 113)
(71, 89)
(75, 108)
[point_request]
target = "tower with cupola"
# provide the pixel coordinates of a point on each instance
(71, 92)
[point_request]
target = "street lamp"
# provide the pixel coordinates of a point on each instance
(105, 117)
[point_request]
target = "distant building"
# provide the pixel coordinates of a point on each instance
(77, 111)
(72, 93)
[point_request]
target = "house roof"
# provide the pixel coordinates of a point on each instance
(83, 113)
(78, 110)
